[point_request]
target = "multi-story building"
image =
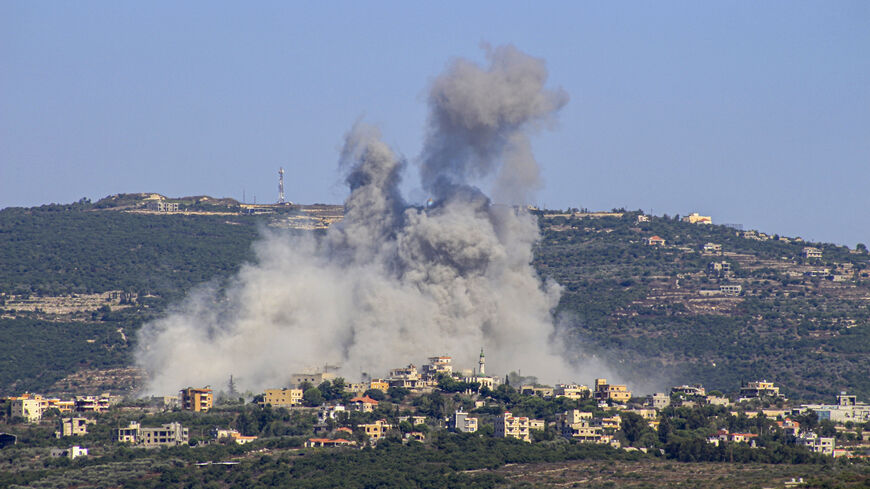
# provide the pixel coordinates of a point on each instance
(314, 379)
(92, 404)
(731, 289)
(438, 366)
(282, 397)
(28, 406)
(689, 390)
(608, 392)
(379, 384)
(811, 252)
(660, 400)
(816, 443)
(846, 409)
(759, 388)
(198, 400)
(172, 434)
(162, 206)
(364, 404)
(578, 425)
(510, 426)
(74, 426)
(462, 422)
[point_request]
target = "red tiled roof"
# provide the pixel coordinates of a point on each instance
(365, 399)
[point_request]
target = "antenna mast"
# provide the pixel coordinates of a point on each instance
(281, 185)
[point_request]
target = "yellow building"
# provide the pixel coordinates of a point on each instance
(608, 392)
(379, 384)
(199, 400)
(510, 426)
(572, 391)
(282, 397)
(376, 430)
(695, 218)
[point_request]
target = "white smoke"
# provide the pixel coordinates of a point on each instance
(393, 284)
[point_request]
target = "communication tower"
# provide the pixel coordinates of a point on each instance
(281, 185)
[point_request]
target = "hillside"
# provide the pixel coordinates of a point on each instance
(76, 282)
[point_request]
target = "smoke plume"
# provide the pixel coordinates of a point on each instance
(393, 283)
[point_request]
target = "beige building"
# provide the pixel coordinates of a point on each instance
(282, 397)
(572, 391)
(74, 426)
(579, 425)
(169, 435)
(364, 404)
(510, 426)
(608, 392)
(695, 218)
(314, 379)
(377, 430)
(29, 407)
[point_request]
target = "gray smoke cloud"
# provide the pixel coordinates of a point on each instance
(392, 283)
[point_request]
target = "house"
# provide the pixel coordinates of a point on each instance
(326, 442)
(642, 218)
(712, 248)
(608, 392)
(329, 412)
(811, 252)
(789, 426)
(509, 426)
(438, 366)
(655, 241)
(28, 406)
(534, 390)
(414, 420)
(282, 397)
(724, 436)
(234, 435)
(415, 436)
(695, 218)
(74, 427)
(92, 404)
(689, 390)
(406, 377)
(197, 400)
(578, 425)
(719, 267)
(72, 452)
(572, 391)
(462, 422)
(660, 400)
(377, 430)
(379, 384)
(314, 379)
(363, 404)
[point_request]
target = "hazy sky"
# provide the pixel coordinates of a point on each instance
(753, 112)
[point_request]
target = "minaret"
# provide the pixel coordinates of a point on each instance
(281, 185)
(482, 363)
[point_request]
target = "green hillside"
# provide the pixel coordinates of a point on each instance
(656, 312)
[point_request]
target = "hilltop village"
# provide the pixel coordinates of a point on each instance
(319, 411)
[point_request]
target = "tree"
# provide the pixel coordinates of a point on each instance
(312, 397)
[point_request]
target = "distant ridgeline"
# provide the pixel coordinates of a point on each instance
(665, 300)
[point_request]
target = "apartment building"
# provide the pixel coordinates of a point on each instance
(198, 400)
(608, 392)
(282, 397)
(510, 426)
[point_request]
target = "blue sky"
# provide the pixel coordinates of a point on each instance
(753, 112)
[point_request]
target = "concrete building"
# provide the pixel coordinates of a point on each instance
(438, 366)
(74, 426)
(759, 388)
(462, 422)
(608, 392)
(846, 409)
(92, 404)
(817, 444)
(198, 400)
(314, 379)
(282, 397)
(689, 390)
(168, 435)
(660, 400)
(695, 218)
(712, 248)
(579, 425)
(510, 426)
(235, 436)
(162, 206)
(363, 404)
(572, 391)
(71, 453)
(732, 290)
(327, 442)
(377, 430)
(29, 407)
(811, 252)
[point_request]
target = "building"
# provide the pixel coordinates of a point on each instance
(71, 453)
(414, 420)
(314, 379)
(579, 425)
(607, 392)
(537, 390)
(406, 377)
(732, 290)
(28, 406)
(759, 388)
(74, 427)
(572, 391)
(689, 390)
(92, 404)
(817, 444)
(712, 248)
(326, 442)
(364, 404)
(198, 400)
(655, 241)
(642, 218)
(234, 435)
(168, 435)
(462, 422)
(438, 366)
(282, 397)
(377, 430)
(811, 252)
(162, 206)
(379, 384)
(846, 409)
(329, 412)
(719, 267)
(510, 426)
(660, 400)
(695, 218)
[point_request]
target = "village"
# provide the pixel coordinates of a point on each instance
(411, 404)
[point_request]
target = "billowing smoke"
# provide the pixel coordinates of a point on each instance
(392, 283)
